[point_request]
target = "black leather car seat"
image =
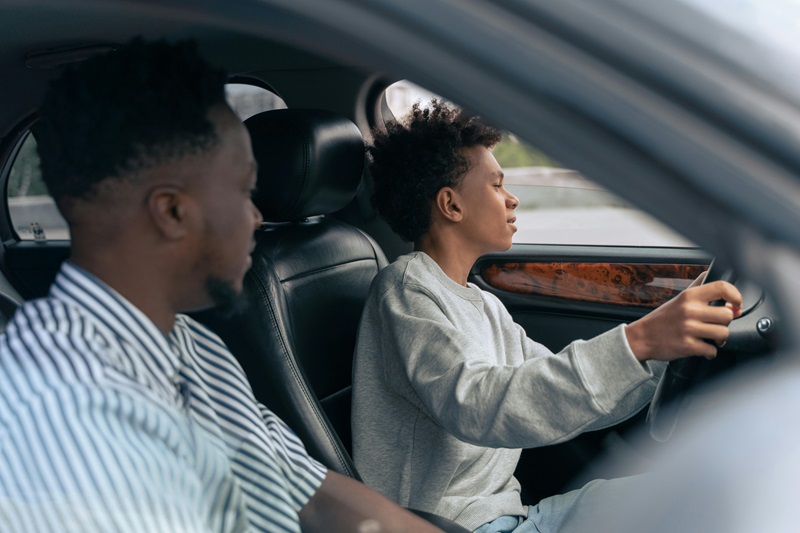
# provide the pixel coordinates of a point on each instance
(309, 281)
(309, 278)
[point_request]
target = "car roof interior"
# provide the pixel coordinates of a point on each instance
(294, 74)
(71, 35)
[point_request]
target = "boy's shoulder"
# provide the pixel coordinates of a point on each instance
(408, 268)
(418, 272)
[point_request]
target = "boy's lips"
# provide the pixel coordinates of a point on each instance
(511, 222)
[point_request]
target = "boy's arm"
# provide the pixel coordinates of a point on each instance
(343, 504)
(465, 385)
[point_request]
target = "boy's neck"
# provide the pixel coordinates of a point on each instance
(455, 261)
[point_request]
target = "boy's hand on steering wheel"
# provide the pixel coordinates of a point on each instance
(683, 326)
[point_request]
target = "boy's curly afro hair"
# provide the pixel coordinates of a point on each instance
(413, 159)
(125, 111)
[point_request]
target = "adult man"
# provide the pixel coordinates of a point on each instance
(116, 412)
(447, 388)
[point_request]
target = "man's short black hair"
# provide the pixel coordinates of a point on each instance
(126, 111)
(413, 159)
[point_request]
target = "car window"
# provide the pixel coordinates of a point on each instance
(557, 205)
(246, 99)
(33, 213)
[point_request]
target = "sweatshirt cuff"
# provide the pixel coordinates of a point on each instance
(608, 367)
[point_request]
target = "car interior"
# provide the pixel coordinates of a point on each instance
(322, 242)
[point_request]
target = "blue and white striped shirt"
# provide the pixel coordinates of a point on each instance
(108, 425)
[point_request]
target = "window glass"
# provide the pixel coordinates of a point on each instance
(557, 205)
(247, 100)
(33, 212)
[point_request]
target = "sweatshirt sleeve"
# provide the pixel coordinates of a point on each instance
(544, 399)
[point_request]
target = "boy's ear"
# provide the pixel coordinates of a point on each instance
(447, 204)
(169, 209)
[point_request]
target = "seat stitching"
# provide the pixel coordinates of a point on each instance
(296, 370)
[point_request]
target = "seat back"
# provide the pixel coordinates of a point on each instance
(309, 279)
(308, 283)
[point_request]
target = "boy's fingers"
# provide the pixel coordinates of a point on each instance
(716, 315)
(720, 290)
(737, 311)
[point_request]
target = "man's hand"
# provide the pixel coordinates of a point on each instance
(682, 326)
(343, 504)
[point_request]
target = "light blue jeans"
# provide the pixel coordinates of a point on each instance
(582, 510)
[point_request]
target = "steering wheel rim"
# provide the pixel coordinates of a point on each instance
(671, 393)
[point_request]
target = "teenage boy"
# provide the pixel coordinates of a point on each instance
(118, 413)
(447, 388)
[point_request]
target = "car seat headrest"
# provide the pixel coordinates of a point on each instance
(310, 162)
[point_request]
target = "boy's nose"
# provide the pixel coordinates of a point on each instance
(512, 201)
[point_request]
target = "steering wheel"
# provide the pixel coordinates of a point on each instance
(671, 395)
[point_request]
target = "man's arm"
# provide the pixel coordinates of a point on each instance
(343, 504)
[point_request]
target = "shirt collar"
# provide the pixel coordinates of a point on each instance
(78, 286)
(468, 292)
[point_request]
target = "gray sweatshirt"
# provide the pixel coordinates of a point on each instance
(447, 388)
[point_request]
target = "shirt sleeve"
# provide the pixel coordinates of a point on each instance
(546, 398)
(85, 459)
(286, 463)
(303, 473)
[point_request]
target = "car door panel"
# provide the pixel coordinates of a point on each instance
(576, 292)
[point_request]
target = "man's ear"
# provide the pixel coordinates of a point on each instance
(169, 209)
(447, 204)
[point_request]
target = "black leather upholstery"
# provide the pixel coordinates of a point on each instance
(309, 279)
(311, 162)
(308, 283)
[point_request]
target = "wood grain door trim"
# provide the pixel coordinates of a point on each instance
(645, 285)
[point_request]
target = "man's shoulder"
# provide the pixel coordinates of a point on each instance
(51, 337)
(47, 316)
(199, 338)
(199, 332)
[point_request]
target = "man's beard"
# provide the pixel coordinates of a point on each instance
(227, 300)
